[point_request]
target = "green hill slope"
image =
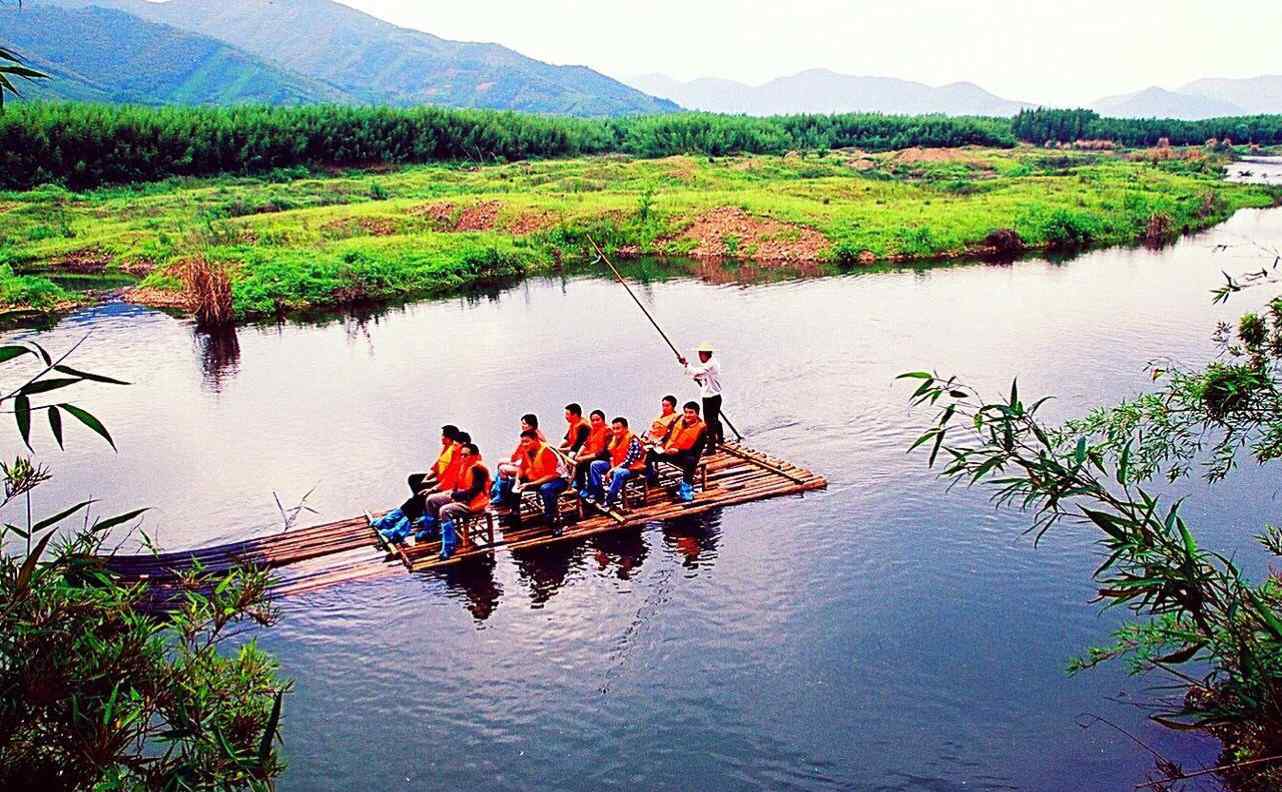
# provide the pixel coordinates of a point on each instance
(383, 63)
(99, 54)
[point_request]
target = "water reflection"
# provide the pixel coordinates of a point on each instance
(694, 539)
(219, 351)
(544, 569)
(474, 583)
(620, 553)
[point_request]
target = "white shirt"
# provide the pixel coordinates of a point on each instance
(708, 375)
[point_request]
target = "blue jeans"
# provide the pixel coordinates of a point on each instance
(618, 477)
(548, 493)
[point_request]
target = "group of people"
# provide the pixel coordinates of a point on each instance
(595, 457)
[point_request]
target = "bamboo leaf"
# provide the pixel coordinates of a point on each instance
(44, 355)
(88, 420)
(269, 734)
(8, 353)
(55, 424)
(112, 522)
(46, 385)
(22, 414)
(29, 565)
(89, 376)
(59, 517)
(923, 375)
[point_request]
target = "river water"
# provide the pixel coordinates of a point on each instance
(884, 634)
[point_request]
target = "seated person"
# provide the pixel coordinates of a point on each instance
(577, 432)
(470, 496)
(449, 446)
(441, 475)
(661, 427)
(538, 471)
(683, 449)
(507, 471)
(627, 458)
(596, 447)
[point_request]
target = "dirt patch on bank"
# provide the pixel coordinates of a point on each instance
(87, 261)
(531, 222)
(447, 216)
(733, 233)
(480, 217)
(916, 154)
(373, 226)
(5, 207)
(681, 168)
(159, 298)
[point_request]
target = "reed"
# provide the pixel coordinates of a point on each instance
(209, 285)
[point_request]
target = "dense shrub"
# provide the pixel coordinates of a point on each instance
(85, 145)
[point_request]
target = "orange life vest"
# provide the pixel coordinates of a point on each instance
(619, 452)
(573, 431)
(540, 464)
(684, 435)
(447, 476)
(598, 441)
(661, 428)
(467, 477)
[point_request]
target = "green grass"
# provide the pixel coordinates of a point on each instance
(296, 239)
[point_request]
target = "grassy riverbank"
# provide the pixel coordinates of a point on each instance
(297, 239)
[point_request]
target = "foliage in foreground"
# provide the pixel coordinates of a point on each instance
(99, 689)
(1199, 618)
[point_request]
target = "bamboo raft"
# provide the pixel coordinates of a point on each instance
(350, 549)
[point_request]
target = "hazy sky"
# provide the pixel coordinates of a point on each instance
(1068, 51)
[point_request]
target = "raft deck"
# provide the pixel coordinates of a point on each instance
(734, 474)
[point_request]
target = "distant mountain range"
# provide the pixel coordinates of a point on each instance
(823, 91)
(1199, 99)
(290, 51)
(310, 51)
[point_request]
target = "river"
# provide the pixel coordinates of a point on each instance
(884, 634)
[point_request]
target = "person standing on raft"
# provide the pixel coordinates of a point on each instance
(707, 374)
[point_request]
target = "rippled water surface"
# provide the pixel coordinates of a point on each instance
(883, 634)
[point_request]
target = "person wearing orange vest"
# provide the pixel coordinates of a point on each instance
(627, 458)
(441, 475)
(661, 427)
(508, 471)
(596, 447)
(683, 449)
(538, 472)
(577, 432)
(471, 496)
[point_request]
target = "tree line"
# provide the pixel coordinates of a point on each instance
(86, 145)
(1064, 126)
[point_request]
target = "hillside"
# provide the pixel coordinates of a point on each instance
(98, 54)
(823, 91)
(382, 63)
(1253, 95)
(1157, 102)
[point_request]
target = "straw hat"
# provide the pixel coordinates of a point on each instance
(705, 347)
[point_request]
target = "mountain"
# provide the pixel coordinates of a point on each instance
(382, 63)
(823, 91)
(98, 54)
(1254, 95)
(1160, 103)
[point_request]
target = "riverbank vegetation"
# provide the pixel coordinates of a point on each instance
(103, 688)
(296, 238)
(1201, 622)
